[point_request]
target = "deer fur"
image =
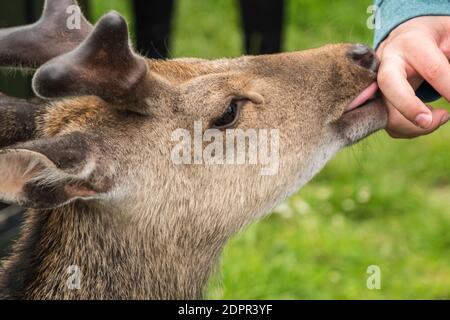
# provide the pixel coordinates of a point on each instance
(93, 164)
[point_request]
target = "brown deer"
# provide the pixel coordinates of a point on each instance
(91, 157)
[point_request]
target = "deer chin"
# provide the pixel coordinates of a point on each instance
(364, 116)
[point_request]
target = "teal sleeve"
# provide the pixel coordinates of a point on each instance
(392, 13)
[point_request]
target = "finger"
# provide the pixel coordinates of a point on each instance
(400, 127)
(393, 82)
(431, 63)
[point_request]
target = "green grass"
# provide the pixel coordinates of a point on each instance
(383, 202)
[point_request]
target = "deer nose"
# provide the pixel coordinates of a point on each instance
(364, 56)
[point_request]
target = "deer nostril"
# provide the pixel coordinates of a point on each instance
(364, 56)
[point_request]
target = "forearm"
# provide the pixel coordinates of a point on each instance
(392, 13)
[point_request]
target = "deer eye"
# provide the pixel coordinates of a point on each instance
(229, 118)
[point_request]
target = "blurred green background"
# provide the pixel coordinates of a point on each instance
(383, 202)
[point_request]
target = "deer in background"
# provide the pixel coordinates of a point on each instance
(90, 158)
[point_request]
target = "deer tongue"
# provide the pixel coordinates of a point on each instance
(363, 97)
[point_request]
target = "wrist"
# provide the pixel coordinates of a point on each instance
(392, 13)
(436, 27)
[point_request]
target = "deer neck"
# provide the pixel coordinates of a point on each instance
(81, 252)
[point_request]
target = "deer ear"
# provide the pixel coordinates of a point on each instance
(103, 65)
(49, 173)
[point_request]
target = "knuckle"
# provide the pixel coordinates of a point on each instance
(383, 77)
(395, 122)
(409, 108)
(432, 70)
(406, 111)
(445, 47)
(408, 39)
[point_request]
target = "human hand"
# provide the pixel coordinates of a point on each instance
(415, 51)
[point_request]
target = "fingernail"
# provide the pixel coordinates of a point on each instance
(445, 119)
(424, 120)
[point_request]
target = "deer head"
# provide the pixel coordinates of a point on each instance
(101, 134)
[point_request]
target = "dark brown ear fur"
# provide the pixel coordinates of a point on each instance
(48, 173)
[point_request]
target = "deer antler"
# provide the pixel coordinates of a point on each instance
(103, 65)
(32, 45)
(87, 61)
